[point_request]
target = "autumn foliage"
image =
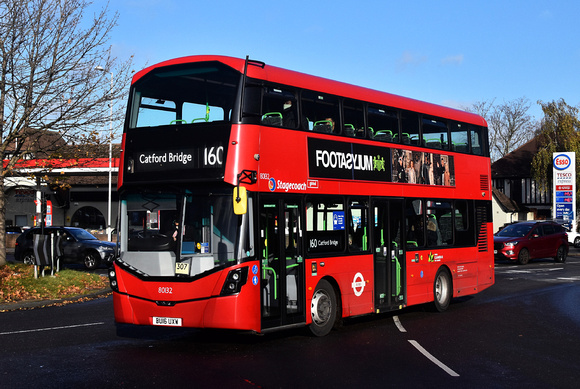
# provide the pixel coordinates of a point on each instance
(17, 283)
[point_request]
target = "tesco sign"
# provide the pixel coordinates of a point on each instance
(562, 162)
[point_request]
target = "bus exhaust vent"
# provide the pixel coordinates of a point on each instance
(482, 238)
(484, 183)
(481, 222)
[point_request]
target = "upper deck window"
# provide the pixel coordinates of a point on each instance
(322, 112)
(279, 108)
(478, 140)
(383, 124)
(435, 133)
(459, 140)
(353, 114)
(183, 94)
(409, 129)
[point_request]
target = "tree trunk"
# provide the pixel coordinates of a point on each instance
(2, 222)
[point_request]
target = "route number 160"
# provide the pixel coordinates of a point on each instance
(213, 156)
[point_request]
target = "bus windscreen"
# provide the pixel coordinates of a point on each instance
(184, 94)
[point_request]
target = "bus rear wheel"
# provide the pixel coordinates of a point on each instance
(323, 309)
(442, 290)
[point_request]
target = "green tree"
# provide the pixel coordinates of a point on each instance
(558, 133)
(50, 91)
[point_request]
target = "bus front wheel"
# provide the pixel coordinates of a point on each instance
(323, 309)
(442, 290)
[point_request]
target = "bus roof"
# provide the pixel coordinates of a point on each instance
(289, 77)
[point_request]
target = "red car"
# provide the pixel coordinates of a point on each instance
(531, 239)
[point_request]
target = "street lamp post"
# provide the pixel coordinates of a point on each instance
(101, 69)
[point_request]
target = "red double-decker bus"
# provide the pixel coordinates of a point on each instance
(257, 198)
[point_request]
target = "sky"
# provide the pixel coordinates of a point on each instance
(453, 53)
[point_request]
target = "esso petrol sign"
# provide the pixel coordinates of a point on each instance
(561, 162)
(564, 187)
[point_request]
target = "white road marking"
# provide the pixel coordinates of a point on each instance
(423, 351)
(398, 324)
(51, 328)
(528, 271)
(537, 274)
(433, 359)
(576, 278)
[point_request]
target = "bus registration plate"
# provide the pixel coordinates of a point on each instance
(167, 321)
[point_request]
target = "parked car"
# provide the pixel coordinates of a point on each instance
(531, 239)
(13, 230)
(76, 246)
(573, 238)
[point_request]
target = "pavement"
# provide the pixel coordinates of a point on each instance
(32, 304)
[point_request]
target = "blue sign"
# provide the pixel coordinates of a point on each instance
(338, 220)
(564, 211)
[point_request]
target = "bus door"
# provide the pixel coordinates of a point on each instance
(282, 262)
(389, 253)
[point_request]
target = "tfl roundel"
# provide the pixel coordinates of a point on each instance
(561, 162)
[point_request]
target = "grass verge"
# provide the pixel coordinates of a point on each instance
(17, 283)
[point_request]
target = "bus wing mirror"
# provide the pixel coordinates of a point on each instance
(240, 198)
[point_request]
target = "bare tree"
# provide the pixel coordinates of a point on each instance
(50, 91)
(509, 124)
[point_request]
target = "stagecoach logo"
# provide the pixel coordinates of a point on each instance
(561, 162)
(358, 284)
(285, 186)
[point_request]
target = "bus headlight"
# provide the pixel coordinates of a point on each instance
(113, 280)
(235, 280)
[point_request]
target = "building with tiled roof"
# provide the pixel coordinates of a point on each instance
(516, 194)
(77, 189)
